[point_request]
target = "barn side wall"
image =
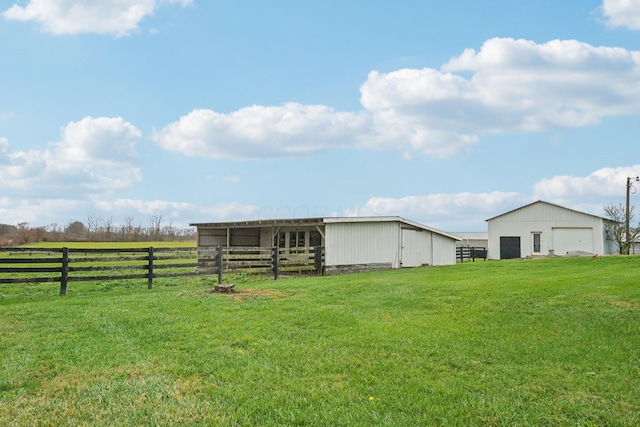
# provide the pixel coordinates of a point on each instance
(542, 218)
(362, 243)
(444, 250)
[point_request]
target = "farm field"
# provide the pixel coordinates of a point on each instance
(527, 343)
(105, 245)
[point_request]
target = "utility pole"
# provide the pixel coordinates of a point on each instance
(628, 242)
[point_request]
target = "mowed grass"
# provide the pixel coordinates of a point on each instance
(546, 342)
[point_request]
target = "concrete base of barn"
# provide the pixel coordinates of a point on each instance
(356, 268)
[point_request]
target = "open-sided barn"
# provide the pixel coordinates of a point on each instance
(350, 243)
(541, 228)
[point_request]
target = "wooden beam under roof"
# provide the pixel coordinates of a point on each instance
(261, 223)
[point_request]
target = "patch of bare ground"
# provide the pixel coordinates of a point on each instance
(245, 294)
(629, 305)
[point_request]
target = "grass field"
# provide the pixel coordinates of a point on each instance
(83, 245)
(552, 342)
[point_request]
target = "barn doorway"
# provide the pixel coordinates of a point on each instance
(510, 247)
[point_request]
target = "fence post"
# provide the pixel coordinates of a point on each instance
(65, 272)
(318, 260)
(274, 251)
(150, 268)
(219, 260)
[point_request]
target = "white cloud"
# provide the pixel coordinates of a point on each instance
(468, 211)
(450, 212)
(107, 141)
(113, 17)
(178, 214)
(94, 156)
(514, 86)
(44, 212)
(261, 132)
(4, 151)
(622, 13)
(508, 86)
(601, 184)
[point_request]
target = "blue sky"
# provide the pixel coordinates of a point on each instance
(445, 113)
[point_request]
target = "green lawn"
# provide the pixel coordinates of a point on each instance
(528, 343)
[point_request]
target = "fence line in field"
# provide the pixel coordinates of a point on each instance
(64, 265)
(471, 253)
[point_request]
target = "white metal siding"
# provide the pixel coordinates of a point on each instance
(385, 242)
(444, 250)
(541, 218)
(362, 243)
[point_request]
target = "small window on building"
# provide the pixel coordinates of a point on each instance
(537, 240)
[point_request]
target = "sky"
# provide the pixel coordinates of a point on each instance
(444, 113)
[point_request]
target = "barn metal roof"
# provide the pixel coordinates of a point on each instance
(319, 221)
(550, 204)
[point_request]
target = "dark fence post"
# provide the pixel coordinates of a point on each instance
(219, 260)
(275, 262)
(318, 260)
(65, 272)
(150, 268)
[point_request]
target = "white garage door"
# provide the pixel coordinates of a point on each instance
(572, 239)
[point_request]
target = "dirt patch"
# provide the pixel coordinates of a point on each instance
(245, 294)
(629, 305)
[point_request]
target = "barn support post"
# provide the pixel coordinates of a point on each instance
(150, 269)
(65, 272)
(318, 260)
(274, 255)
(219, 261)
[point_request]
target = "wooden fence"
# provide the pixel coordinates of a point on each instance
(471, 253)
(64, 265)
(262, 260)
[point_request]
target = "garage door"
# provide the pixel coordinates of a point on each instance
(509, 247)
(572, 239)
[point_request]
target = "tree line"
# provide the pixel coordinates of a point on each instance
(96, 229)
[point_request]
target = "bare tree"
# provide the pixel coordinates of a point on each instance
(107, 226)
(23, 233)
(92, 225)
(155, 221)
(54, 232)
(615, 229)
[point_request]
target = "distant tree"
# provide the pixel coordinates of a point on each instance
(107, 226)
(155, 223)
(92, 225)
(8, 229)
(75, 229)
(53, 232)
(23, 233)
(616, 228)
